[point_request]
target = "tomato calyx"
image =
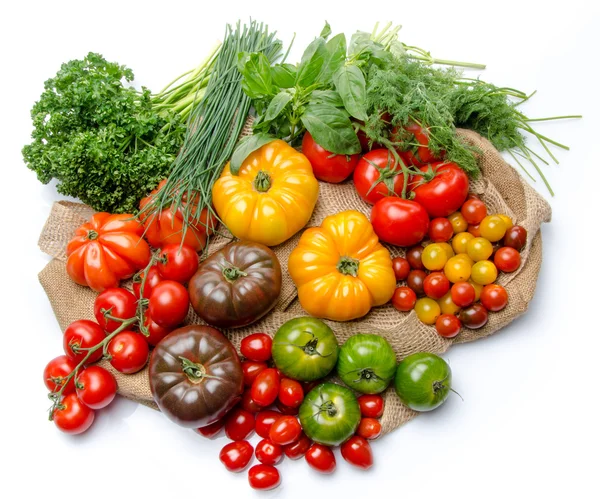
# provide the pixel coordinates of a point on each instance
(92, 234)
(348, 266)
(441, 385)
(387, 174)
(194, 371)
(262, 181)
(232, 274)
(366, 374)
(329, 407)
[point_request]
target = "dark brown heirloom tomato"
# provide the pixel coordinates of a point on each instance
(237, 285)
(195, 376)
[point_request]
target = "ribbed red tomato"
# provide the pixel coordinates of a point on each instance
(442, 190)
(329, 167)
(378, 175)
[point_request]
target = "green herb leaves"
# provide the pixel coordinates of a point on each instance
(351, 85)
(331, 128)
(257, 81)
(246, 147)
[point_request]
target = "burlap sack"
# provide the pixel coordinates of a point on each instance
(500, 187)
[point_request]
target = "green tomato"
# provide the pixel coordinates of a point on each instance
(423, 381)
(367, 363)
(305, 349)
(329, 414)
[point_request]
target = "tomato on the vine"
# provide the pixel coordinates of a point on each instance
(329, 167)
(436, 285)
(117, 302)
(96, 387)
(235, 456)
(177, 262)
(56, 373)
(378, 175)
(152, 280)
(266, 387)
(72, 416)
(263, 477)
(169, 303)
(285, 430)
(155, 332)
(239, 424)
(357, 451)
(80, 336)
(256, 347)
(371, 406)
(297, 449)
(401, 268)
(268, 452)
(398, 221)
(440, 230)
(369, 428)
(128, 352)
(291, 393)
(442, 189)
(320, 458)
(264, 421)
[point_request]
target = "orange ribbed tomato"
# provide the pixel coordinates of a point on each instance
(341, 269)
(105, 250)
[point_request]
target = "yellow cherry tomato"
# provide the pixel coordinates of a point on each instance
(479, 249)
(434, 257)
(492, 228)
(459, 224)
(458, 269)
(447, 305)
(507, 220)
(478, 288)
(447, 248)
(484, 272)
(427, 310)
(460, 240)
(466, 258)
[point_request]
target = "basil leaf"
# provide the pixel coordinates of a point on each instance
(326, 97)
(284, 75)
(326, 31)
(336, 57)
(352, 87)
(312, 62)
(256, 71)
(331, 128)
(246, 147)
(358, 42)
(277, 105)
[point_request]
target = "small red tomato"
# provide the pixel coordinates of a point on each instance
(284, 409)
(155, 332)
(128, 352)
(297, 449)
(494, 297)
(251, 370)
(507, 259)
(248, 404)
(357, 451)
(211, 430)
(440, 230)
(263, 477)
(515, 237)
(413, 255)
(239, 424)
(152, 280)
(442, 190)
(404, 299)
(56, 372)
(327, 166)
(371, 406)
(81, 335)
(96, 387)
(398, 221)
(177, 262)
(285, 430)
(401, 268)
(169, 303)
(117, 302)
(474, 230)
(268, 452)
(463, 294)
(257, 347)
(72, 416)
(264, 421)
(266, 387)
(436, 285)
(447, 325)
(416, 280)
(473, 211)
(235, 456)
(307, 386)
(369, 428)
(474, 317)
(291, 393)
(320, 457)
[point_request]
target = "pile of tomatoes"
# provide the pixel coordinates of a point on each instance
(269, 406)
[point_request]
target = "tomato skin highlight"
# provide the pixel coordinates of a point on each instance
(263, 477)
(152, 280)
(371, 406)
(463, 294)
(321, 458)
(285, 430)
(83, 334)
(169, 304)
(264, 421)
(298, 449)
(268, 452)
(291, 393)
(440, 230)
(357, 451)
(129, 352)
(96, 387)
(474, 317)
(326, 166)
(257, 347)
(119, 303)
(56, 371)
(265, 388)
(494, 297)
(414, 257)
(436, 285)
(447, 325)
(369, 428)
(72, 416)
(474, 211)
(445, 193)
(404, 299)
(515, 237)
(399, 221)
(401, 268)
(239, 424)
(235, 456)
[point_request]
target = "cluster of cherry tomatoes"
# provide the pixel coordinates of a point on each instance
(269, 406)
(127, 326)
(450, 281)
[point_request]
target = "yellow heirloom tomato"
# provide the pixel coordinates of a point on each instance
(340, 268)
(271, 198)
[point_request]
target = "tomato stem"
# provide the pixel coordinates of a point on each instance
(233, 273)
(262, 182)
(348, 266)
(92, 234)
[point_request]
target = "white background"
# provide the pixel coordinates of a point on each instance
(528, 426)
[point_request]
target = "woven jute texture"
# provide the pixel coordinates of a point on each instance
(500, 187)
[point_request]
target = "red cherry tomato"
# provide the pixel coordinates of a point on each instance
(169, 304)
(257, 347)
(248, 404)
(251, 370)
(507, 259)
(494, 297)
(235, 456)
(177, 262)
(357, 451)
(474, 230)
(284, 409)
(266, 387)
(329, 167)
(445, 192)
(371, 406)
(399, 221)
(239, 424)
(211, 430)
(414, 257)
(72, 416)
(377, 175)
(463, 294)
(152, 280)
(117, 302)
(474, 317)
(285, 430)
(416, 281)
(474, 211)
(129, 352)
(436, 285)
(404, 299)
(401, 268)
(291, 393)
(515, 237)
(264, 421)
(369, 428)
(56, 372)
(96, 387)
(155, 332)
(320, 457)
(268, 452)
(263, 477)
(297, 449)
(440, 230)
(447, 325)
(80, 335)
